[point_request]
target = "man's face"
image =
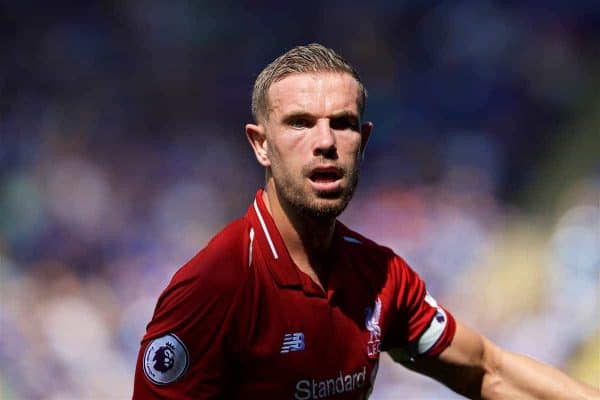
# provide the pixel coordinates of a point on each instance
(314, 140)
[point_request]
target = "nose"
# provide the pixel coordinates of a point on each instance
(325, 141)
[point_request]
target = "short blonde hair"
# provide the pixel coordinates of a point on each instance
(313, 57)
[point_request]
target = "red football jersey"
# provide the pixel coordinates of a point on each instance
(241, 321)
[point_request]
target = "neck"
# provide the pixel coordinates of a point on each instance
(308, 240)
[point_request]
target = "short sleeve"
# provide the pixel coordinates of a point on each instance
(419, 325)
(185, 353)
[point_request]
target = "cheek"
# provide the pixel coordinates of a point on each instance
(274, 154)
(280, 160)
(350, 147)
(286, 151)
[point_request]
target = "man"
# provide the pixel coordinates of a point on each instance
(286, 302)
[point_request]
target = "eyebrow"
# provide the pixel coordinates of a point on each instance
(296, 114)
(345, 114)
(303, 114)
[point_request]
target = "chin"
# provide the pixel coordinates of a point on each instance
(323, 205)
(325, 208)
(321, 213)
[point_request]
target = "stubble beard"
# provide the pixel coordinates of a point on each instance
(326, 205)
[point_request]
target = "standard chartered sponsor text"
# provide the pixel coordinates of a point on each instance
(307, 389)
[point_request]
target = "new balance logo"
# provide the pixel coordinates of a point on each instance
(292, 342)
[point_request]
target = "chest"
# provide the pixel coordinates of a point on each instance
(315, 346)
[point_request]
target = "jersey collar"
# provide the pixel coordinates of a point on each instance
(272, 247)
(283, 269)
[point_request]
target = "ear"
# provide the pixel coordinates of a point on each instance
(258, 140)
(365, 133)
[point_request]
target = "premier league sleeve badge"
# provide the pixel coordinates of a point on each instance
(165, 360)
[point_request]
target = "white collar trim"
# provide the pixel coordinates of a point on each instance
(264, 228)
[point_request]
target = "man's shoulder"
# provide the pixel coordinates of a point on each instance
(360, 245)
(372, 258)
(206, 286)
(230, 244)
(223, 262)
(379, 267)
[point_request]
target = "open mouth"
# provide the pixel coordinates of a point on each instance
(325, 175)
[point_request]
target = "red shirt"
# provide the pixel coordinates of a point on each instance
(241, 321)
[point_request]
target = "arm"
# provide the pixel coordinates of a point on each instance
(477, 368)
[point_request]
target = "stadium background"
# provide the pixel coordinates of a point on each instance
(122, 151)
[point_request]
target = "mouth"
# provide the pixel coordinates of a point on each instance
(327, 174)
(326, 179)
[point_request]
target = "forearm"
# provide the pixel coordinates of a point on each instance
(514, 376)
(478, 369)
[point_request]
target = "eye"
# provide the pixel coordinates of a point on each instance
(299, 122)
(343, 123)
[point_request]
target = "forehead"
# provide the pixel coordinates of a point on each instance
(320, 93)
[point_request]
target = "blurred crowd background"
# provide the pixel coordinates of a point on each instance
(122, 151)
